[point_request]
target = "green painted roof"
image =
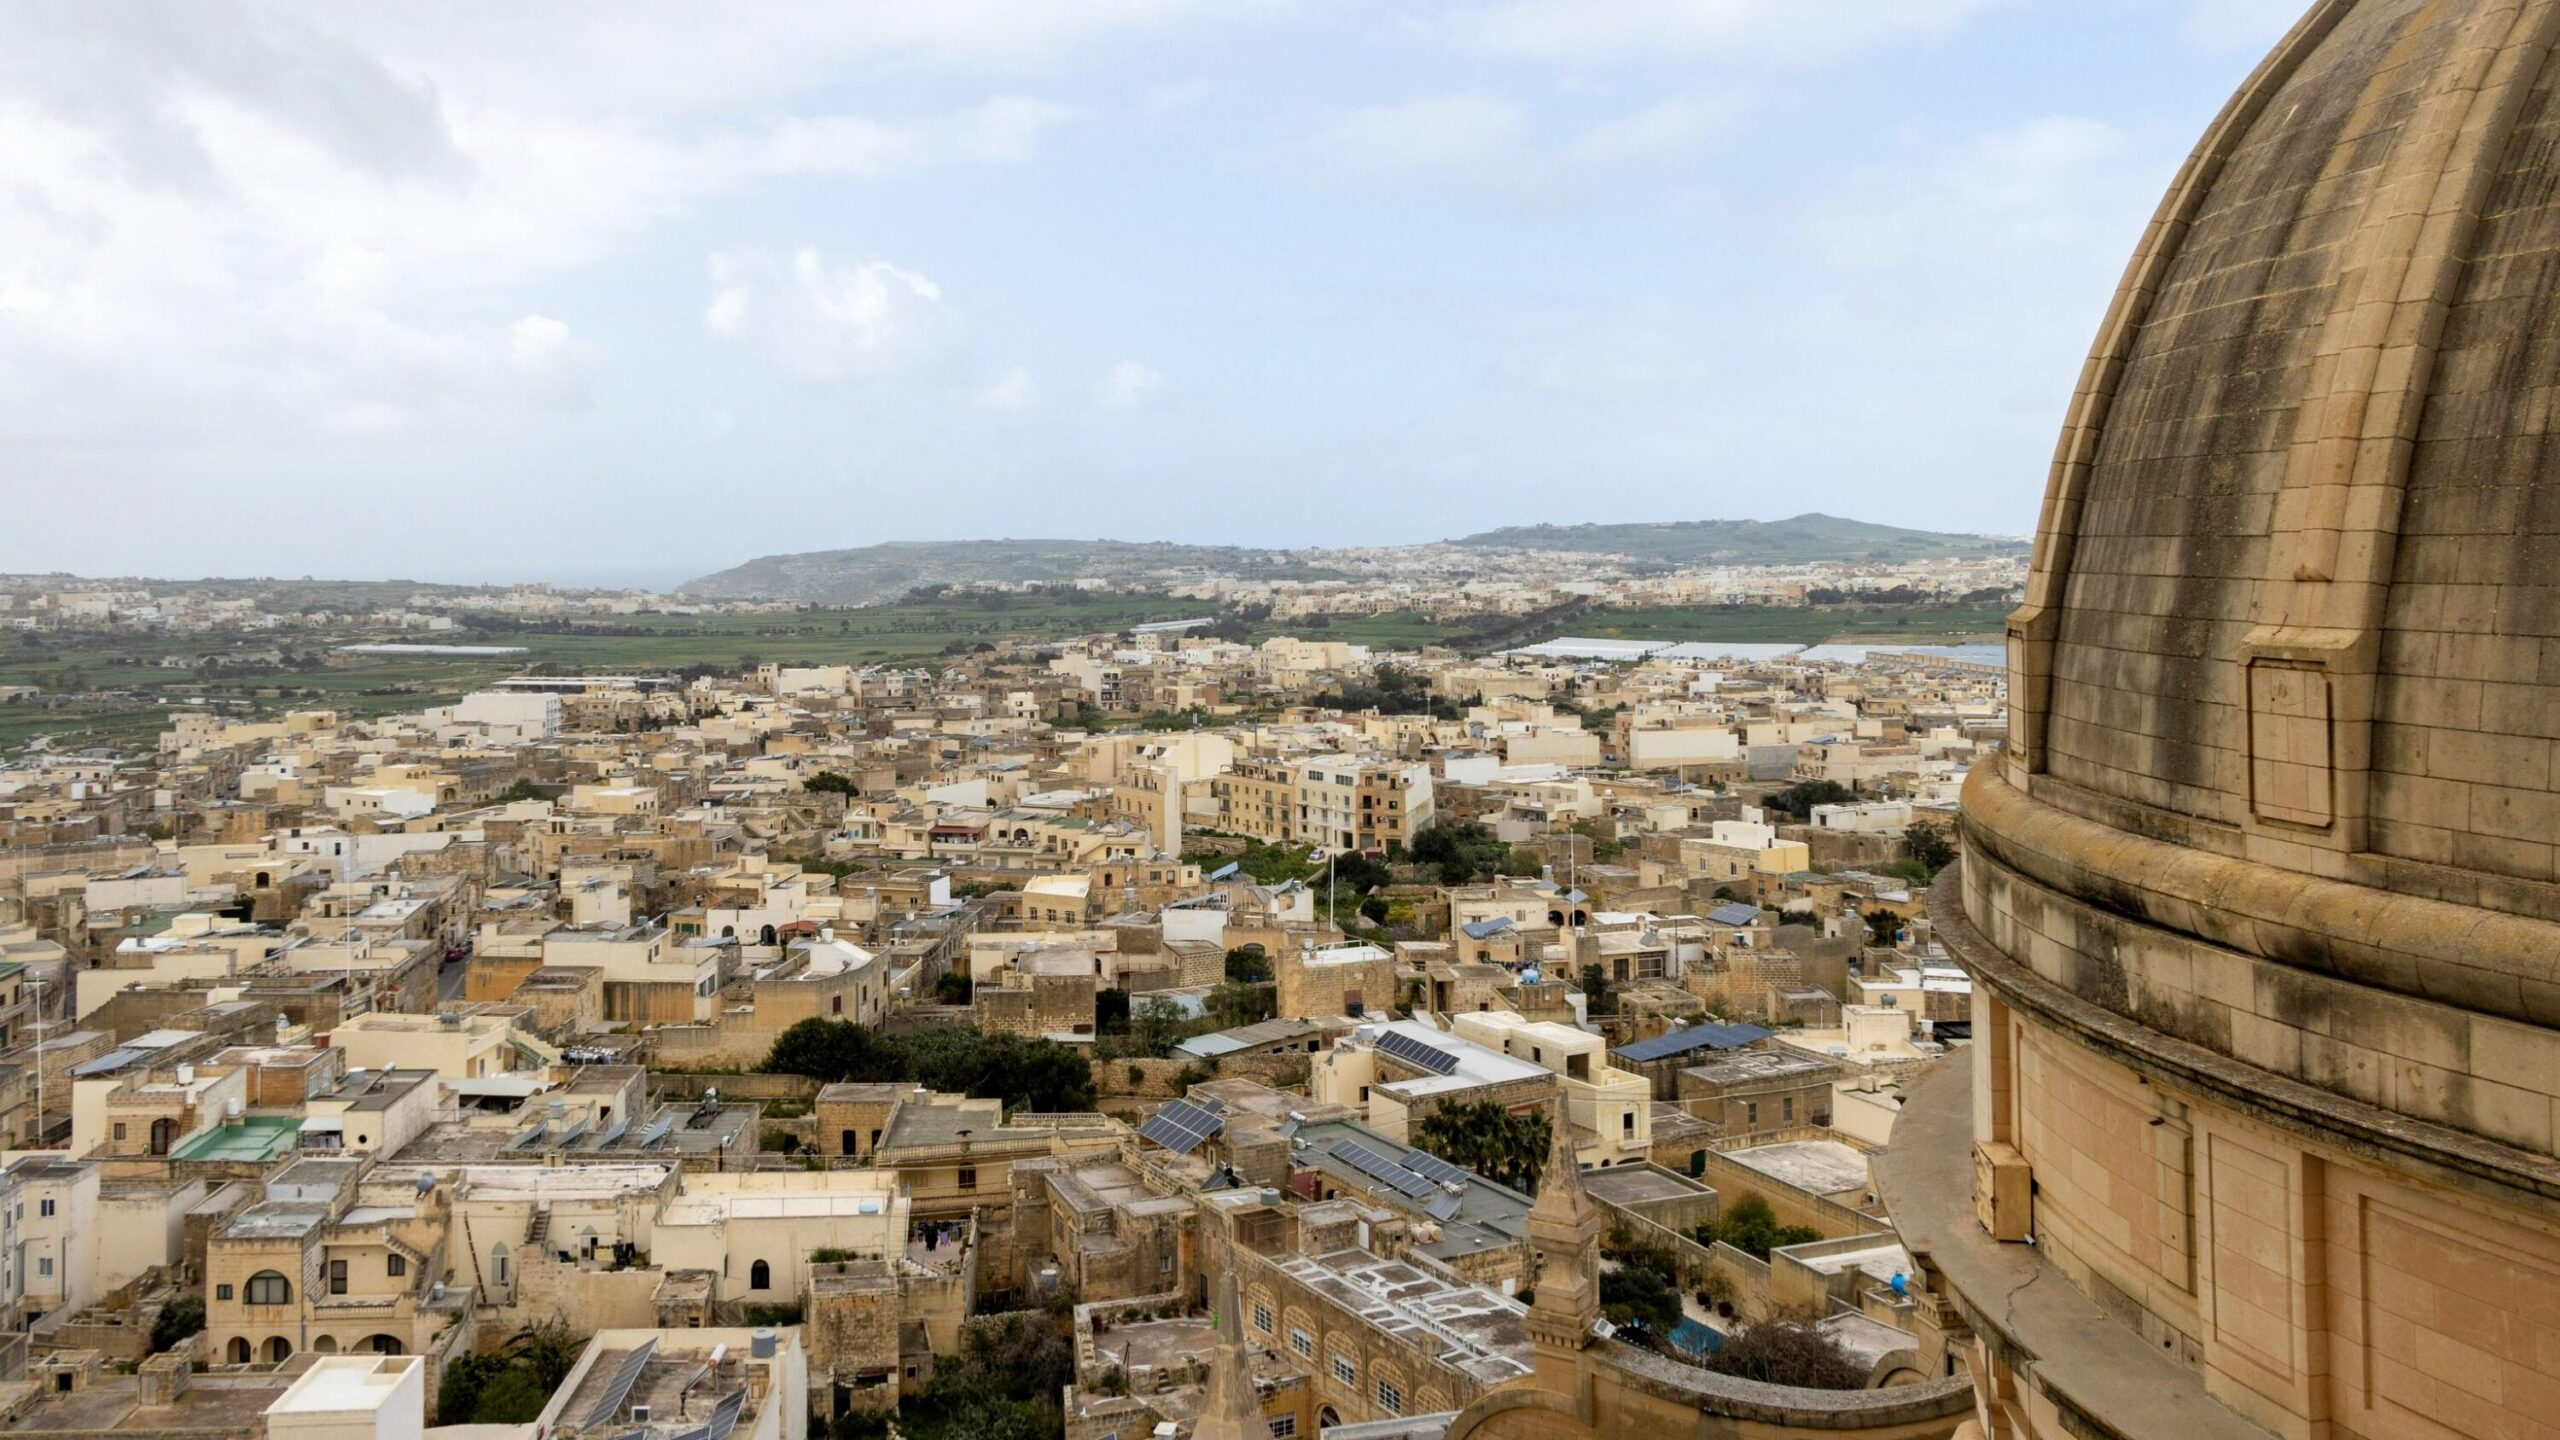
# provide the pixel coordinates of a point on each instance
(256, 1137)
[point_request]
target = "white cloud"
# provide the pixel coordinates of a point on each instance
(1647, 351)
(1670, 128)
(1488, 143)
(1780, 31)
(1129, 385)
(1474, 135)
(554, 365)
(823, 319)
(261, 221)
(2059, 189)
(1014, 392)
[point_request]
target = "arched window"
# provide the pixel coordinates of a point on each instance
(770, 935)
(759, 1276)
(269, 1288)
(384, 1344)
(326, 1345)
(238, 1350)
(163, 1130)
(498, 1264)
(279, 1350)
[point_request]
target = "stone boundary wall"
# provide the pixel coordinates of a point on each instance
(1112, 1079)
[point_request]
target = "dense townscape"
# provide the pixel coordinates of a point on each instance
(1134, 1029)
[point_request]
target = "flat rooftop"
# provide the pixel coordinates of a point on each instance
(256, 1140)
(1818, 1167)
(1640, 1185)
(1475, 1331)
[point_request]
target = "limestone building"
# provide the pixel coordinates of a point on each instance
(2262, 899)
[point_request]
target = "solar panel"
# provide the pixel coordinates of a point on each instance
(1181, 1126)
(626, 1375)
(614, 1132)
(657, 1131)
(1434, 1169)
(1385, 1169)
(534, 1136)
(1420, 1054)
(725, 1417)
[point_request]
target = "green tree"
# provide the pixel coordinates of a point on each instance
(1600, 1000)
(958, 1059)
(1111, 1011)
(831, 782)
(1637, 1296)
(952, 988)
(1236, 1003)
(1483, 1137)
(1799, 799)
(1929, 844)
(177, 1320)
(1750, 1226)
(1156, 1025)
(1882, 925)
(1463, 852)
(1248, 964)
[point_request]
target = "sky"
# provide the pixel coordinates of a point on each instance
(628, 292)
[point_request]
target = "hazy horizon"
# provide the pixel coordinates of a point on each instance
(630, 294)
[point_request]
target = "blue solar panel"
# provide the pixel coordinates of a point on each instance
(1385, 1169)
(1434, 1169)
(1695, 1037)
(725, 1418)
(1181, 1126)
(1416, 1052)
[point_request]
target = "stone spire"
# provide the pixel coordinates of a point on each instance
(1232, 1410)
(1564, 1230)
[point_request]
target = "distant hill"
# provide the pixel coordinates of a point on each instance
(872, 574)
(876, 573)
(1805, 539)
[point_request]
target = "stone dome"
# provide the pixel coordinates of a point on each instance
(2262, 897)
(2296, 590)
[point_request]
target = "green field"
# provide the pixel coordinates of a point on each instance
(1916, 624)
(144, 690)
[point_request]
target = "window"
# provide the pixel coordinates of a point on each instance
(968, 1177)
(1345, 1371)
(1627, 1122)
(44, 1207)
(498, 1264)
(759, 1276)
(45, 1266)
(1262, 1318)
(1390, 1399)
(1303, 1343)
(269, 1288)
(1750, 1112)
(337, 1277)
(397, 1264)
(221, 1292)
(1284, 1427)
(119, 1129)
(1787, 1108)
